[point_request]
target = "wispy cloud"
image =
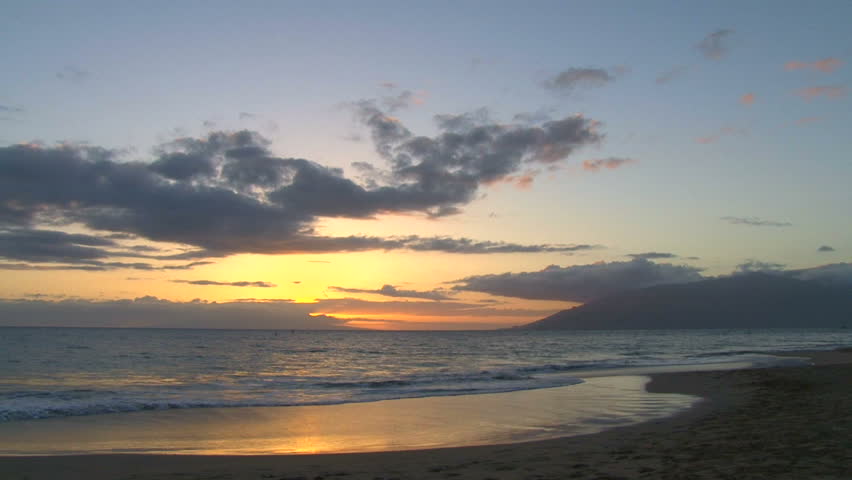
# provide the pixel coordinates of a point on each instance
(723, 132)
(226, 284)
(755, 222)
(652, 255)
(715, 45)
(10, 109)
(826, 65)
(747, 99)
(574, 78)
(392, 291)
(673, 74)
(610, 162)
(72, 73)
(827, 91)
(404, 99)
(807, 120)
(357, 306)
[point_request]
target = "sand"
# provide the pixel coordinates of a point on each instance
(776, 423)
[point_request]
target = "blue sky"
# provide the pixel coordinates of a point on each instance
(753, 126)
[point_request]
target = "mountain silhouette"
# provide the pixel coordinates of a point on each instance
(752, 300)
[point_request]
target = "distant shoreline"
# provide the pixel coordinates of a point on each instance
(787, 422)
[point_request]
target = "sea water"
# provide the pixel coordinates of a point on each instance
(64, 372)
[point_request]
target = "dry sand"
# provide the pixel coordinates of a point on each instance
(777, 423)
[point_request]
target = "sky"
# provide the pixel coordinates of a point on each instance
(402, 165)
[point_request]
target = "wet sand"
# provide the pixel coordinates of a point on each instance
(775, 423)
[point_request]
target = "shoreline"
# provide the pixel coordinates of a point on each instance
(783, 422)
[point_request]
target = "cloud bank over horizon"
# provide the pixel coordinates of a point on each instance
(581, 283)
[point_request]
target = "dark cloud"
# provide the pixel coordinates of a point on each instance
(392, 291)
(825, 248)
(73, 251)
(837, 274)
(227, 284)
(579, 283)
(533, 118)
(99, 266)
(464, 245)
(572, 79)
(31, 245)
(652, 255)
(153, 312)
(227, 193)
(672, 74)
(439, 174)
(72, 73)
(715, 45)
(834, 274)
(755, 222)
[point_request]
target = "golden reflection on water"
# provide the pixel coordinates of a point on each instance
(361, 427)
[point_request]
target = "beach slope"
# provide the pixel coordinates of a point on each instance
(779, 423)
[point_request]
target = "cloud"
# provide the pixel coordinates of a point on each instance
(355, 306)
(75, 252)
(751, 266)
(10, 109)
(825, 248)
(714, 46)
(98, 266)
(439, 174)
(610, 162)
(579, 283)
(226, 193)
(403, 99)
(827, 91)
(723, 132)
(651, 255)
(826, 65)
(755, 222)
(152, 312)
(747, 99)
(72, 73)
(227, 284)
(574, 78)
(392, 291)
(807, 120)
(836, 274)
(464, 245)
(51, 246)
(673, 74)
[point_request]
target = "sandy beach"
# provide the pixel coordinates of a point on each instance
(778, 423)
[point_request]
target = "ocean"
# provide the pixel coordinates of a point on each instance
(63, 372)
